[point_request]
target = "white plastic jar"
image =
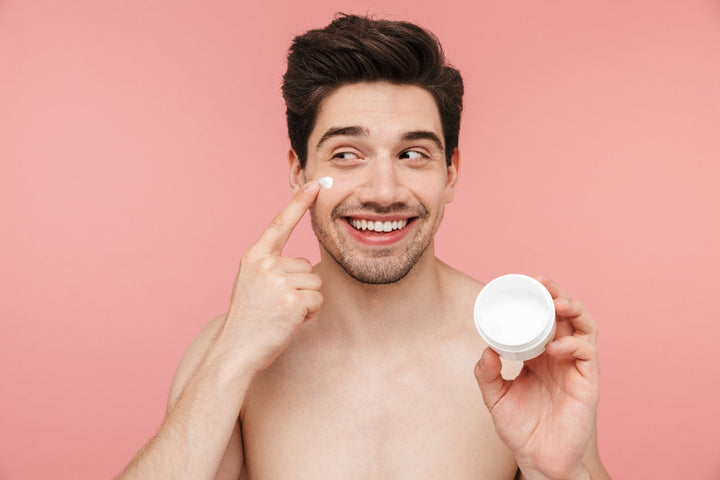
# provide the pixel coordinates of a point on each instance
(515, 315)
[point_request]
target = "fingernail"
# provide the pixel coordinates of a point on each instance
(564, 300)
(311, 186)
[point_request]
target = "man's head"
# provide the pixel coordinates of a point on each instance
(373, 105)
(356, 49)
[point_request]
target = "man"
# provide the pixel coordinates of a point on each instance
(360, 366)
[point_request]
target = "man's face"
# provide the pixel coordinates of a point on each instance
(383, 145)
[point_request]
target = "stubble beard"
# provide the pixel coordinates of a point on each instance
(382, 268)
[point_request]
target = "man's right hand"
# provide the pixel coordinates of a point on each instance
(272, 295)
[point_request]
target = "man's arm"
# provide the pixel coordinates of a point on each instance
(232, 461)
(271, 297)
(591, 461)
(199, 437)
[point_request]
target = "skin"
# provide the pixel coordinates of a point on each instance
(315, 373)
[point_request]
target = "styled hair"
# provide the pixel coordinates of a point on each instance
(354, 49)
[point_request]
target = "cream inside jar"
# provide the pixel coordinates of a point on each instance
(515, 315)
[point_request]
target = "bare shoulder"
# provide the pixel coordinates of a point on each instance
(192, 358)
(456, 276)
(461, 287)
(458, 295)
(463, 290)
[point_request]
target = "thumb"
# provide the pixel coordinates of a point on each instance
(489, 378)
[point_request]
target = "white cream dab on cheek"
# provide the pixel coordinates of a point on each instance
(326, 182)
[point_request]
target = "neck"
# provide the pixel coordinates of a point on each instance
(382, 315)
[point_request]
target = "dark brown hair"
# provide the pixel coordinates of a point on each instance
(354, 49)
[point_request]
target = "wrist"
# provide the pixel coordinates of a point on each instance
(239, 347)
(231, 365)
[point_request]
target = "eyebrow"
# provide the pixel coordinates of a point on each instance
(424, 135)
(358, 131)
(351, 131)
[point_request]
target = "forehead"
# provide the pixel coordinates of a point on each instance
(385, 109)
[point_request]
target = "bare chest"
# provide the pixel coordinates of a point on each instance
(421, 419)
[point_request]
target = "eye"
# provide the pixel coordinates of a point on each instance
(415, 157)
(346, 159)
(345, 156)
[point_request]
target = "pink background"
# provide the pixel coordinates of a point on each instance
(142, 150)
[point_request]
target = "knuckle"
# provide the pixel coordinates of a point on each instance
(248, 257)
(298, 200)
(278, 221)
(253, 257)
(266, 264)
(318, 298)
(593, 327)
(279, 281)
(315, 301)
(289, 299)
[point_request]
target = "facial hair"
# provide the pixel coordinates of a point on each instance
(382, 266)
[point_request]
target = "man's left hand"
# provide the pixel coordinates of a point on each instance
(546, 415)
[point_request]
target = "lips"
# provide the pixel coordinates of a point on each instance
(379, 231)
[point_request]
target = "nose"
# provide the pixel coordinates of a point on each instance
(382, 183)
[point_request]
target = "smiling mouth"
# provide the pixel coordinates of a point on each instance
(378, 226)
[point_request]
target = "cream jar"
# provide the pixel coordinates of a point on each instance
(515, 315)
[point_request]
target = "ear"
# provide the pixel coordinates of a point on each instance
(453, 171)
(297, 173)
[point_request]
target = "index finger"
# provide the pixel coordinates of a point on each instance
(276, 235)
(578, 316)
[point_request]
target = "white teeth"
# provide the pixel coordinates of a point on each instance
(377, 226)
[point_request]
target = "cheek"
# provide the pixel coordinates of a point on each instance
(431, 192)
(343, 187)
(327, 201)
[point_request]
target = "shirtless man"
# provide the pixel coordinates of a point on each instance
(360, 367)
